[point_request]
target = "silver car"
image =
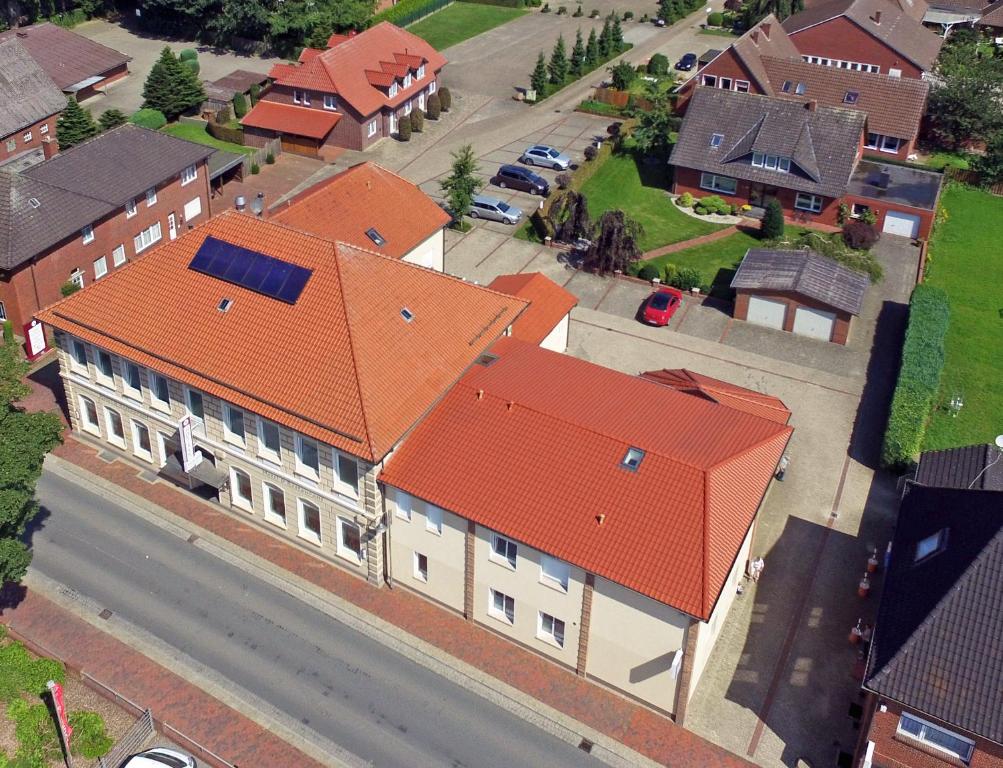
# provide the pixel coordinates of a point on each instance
(484, 207)
(548, 157)
(161, 757)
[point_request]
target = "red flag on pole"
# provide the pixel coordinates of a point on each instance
(57, 698)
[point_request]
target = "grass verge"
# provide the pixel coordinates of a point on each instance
(461, 21)
(197, 133)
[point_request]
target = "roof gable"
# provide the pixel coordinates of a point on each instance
(549, 303)
(722, 392)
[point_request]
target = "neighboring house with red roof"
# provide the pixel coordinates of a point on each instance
(370, 207)
(350, 95)
(30, 102)
(546, 320)
(600, 519)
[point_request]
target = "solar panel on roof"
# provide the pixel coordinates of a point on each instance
(249, 269)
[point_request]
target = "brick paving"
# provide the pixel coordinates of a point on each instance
(691, 243)
(53, 631)
(636, 726)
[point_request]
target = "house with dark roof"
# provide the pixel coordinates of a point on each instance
(970, 466)
(749, 149)
(878, 36)
(30, 102)
(350, 95)
(546, 320)
(934, 673)
(80, 215)
(572, 519)
(79, 66)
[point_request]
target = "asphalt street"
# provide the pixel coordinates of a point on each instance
(347, 687)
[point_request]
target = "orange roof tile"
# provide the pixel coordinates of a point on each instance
(344, 206)
(531, 446)
(308, 75)
(391, 66)
(341, 364)
(731, 395)
(337, 39)
(380, 79)
(285, 118)
(548, 303)
(309, 54)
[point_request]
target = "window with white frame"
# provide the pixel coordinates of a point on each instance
(873, 141)
(503, 550)
(132, 385)
(3, 312)
(716, 183)
(233, 425)
(189, 174)
(275, 504)
(269, 441)
(421, 101)
(116, 431)
(240, 489)
(890, 144)
(859, 209)
(87, 233)
(421, 567)
(550, 630)
(195, 403)
(724, 83)
(77, 277)
(554, 572)
(709, 80)
(11, 145)
(330, 102)
(160, 392)
(346, 474)
(100, 267)
(27, 137)
(403, 503)
(43, 128)
(165, 445)
(421, 71)
(103, 364)
(771, 162)
(393, 89)
(151, 196)
(407, 108)
(130, 208)
(742, 86)
(309, 520)
(147, 237)
(501, 606)
(89, 415)
(307, 458)
(806, 202)
(939, 738)
(433, 519)
(118, 255)
(372, 128)
(407, 80)
(78, 355)
(349, 539)
(431, 87)
(141, 444)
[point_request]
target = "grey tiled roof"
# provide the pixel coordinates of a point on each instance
(68, 58)
(27, 94)
(938, 640)
(971, 466)
(803, 272)
(822, 142)
(894, 183)
(84, 184)
(767, 38)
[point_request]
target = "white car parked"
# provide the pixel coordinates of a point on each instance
(161, 757)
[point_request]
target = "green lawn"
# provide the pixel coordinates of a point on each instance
(459, 21)
(197, 133)
(967, 263)
(941, 160)
(716, 262)
(640, 192)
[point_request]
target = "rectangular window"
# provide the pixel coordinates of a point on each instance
(431, 87)
(141, 445)
(372, 127)
(784, 164)
(131, 383)
(102, 362)
(151, 196)
(502, 606)
(554, 572)
(79, 353)
(937, 737)
(233, 425)
(709, 80)
(931, 545)
(89, 416)
(872, 141)
(716, 139)
(11, 145)
(421, 567)
(503, 550)
(724, 83)
(889, 144)
(393, 89)
(771, 162)
(349, 539)
(100, 267)
(309, 520)
(130, 208)
(147, 237)
(240, 489)
(307, 458)
(433, 519)
(195, 403)
(403, 503)
(87, 233)
(742, 86)
(118, 256)
(715, 183)
(859, 210)
(275, 505)
(407, 80)
(189, 174)
(297, 96)
(160, 392)
(421, 71)
(269, 443)
(758, 159)
(3, 312)
(77, 277)
(346, 474)
(550, 629)
(27, 137)
(806, 202)
(116, 432)
(43, 128)
(407, 108)
(330, 102)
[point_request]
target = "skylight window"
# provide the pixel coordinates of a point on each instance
(486, 359)
(786, 87)
(800, 89)
(407, 314)
(376, 237)
(851, 97)
(33, 202)
(224, 305)
(716, 139)
(632, 459)
(931, 545)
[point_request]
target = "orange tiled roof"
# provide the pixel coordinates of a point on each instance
(337, 39)
(309, 54)
(739, 398)
(285, 118)
(308, 75)
(531, 446)
(380, 79)
(548, 303)
(344, 206)
(340, 365)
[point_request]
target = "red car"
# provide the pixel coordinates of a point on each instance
(660, 306)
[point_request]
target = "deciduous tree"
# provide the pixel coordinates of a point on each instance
(463, 182)
(615, 246)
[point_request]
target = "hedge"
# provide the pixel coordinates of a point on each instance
(919, 376)
(409, 11)
(502, 3)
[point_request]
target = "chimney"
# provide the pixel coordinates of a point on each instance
(49, 148)
(812, 105)
(883, 178)
(877, 17)
(766, 30)
(480, 394)
(601, 518)
(511, 405)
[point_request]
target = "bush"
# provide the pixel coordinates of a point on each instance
(192, 64)
(445, 99)
(254, 92)
(669, 272)
(772, 226)
(541, 225)
(188, 54)
(712, 204)
(622, 75)
(8, 332)
(563, 180)
(578, 11)
(594, 14)
(270, 159)
(644, 19)
(255, 169)
(562, 10)
(658, 64)
(68, 288)
(37, 740)
(90, 739)
(404, 130)
(628, 15)
(860, 235)
(149, 118)
(715, 19)
(239, 105)
(546, 8)
(919, 376)
(686, 279)
(434, 107)
(19, 672)
(685, 200)
(112, 118)
(649, 272)
(591, 152)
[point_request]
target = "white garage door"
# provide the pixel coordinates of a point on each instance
(814, 323)
(904, 224)
(193, 208)
(766, 312)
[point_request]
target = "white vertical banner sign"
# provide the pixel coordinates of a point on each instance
(189, 458)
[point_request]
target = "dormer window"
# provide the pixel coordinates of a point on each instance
(716, 139)
(329, 101)
(771, 162)
(393, 89)
(407, 80)
(301, 97)
(421, 71)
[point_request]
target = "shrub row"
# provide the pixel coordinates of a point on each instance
(502, 3)
(409, 11)
(919, 376)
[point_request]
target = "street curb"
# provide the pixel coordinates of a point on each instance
(509, 698)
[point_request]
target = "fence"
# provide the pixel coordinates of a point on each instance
(620, 99)
(407, 12)
(132, 742)
(974, 178)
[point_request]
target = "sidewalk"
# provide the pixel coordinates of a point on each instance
(56, 632)
(633, 725)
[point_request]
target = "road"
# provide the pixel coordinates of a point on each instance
(347, 687)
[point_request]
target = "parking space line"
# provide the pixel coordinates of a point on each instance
(682, 317)
(492, 251)
(727, 327)
(605, 293)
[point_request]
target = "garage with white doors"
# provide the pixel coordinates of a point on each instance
(903, 224)
(800, 292)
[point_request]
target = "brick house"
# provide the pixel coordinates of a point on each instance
(750, 149)
(546, 320)
(765, 61)
(879, 36)
(934, 674)
(77, 65)
(350, 95)
(29, 101)
(82, 214)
